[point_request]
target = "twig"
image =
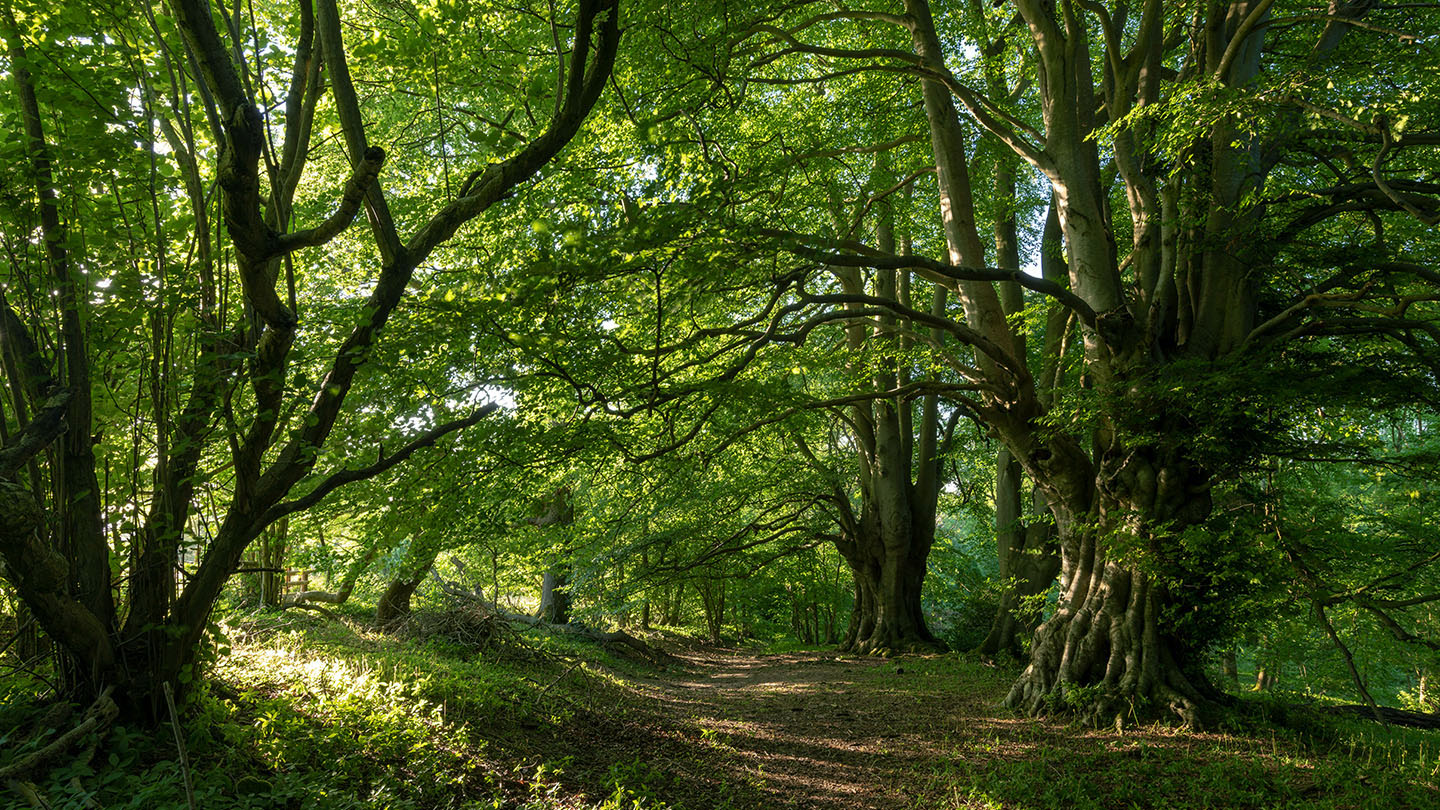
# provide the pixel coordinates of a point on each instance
(1349, 662)
(18, 633)
(329, 614)
(180, 744)
(85, 798)
(84, 760)
(561, 677)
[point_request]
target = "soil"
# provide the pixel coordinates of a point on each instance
(808, 730)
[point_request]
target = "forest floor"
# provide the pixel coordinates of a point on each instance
(820, 731)
(310, 712)
(814, 729)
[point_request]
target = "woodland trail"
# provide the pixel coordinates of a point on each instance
(815, 730)
(732, 730)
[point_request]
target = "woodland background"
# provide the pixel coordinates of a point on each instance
(1097, 338)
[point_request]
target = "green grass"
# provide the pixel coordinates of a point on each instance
(1265, 759)
(308, 712)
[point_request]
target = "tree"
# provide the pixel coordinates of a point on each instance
(245, 361)
(1240, 247)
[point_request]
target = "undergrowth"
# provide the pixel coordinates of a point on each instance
(313, 712)
(308, 712)
(1270, 755)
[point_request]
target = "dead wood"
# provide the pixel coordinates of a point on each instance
(1389, 716)
(617, 641)
(97, 718)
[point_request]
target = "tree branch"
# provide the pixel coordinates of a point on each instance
(338, 479)
(935, 271)
(48, 424)
(355, 189)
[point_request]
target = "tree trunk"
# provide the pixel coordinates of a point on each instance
(887, 617)
(272, 559)
(557, 512)
(887, 545)
(1111, 653)
(712, 595)
(1229, 667)
(645, 604)
(555, 594)
(394, 603)
(1030, 566)
(347, 585)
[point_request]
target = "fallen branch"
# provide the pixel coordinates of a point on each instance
(329, 614)
(180, 744)
(29, 792)
(612, 639)
(347, 586)
(547, 687)
(1394, 717)
(97, 718)
(617, 640)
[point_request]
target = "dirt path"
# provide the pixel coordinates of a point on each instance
(814, 730)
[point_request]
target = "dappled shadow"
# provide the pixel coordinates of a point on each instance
(820, 731)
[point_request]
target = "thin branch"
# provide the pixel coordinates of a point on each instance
(338, 479)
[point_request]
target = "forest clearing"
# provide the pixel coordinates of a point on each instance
(633, 404)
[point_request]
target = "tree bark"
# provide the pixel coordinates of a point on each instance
(272, 560)
(394, 603)
(1030, 565)
(557, 512)
(555, 594)
(1111, 653)
(887, 616)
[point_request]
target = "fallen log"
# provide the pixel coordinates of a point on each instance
(617, 640)
(347, 585)
(1394, 717)
(97, 718)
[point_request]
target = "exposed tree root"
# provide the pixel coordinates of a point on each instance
(888, 648)
(1107, 663)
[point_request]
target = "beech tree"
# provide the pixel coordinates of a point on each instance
(811, 230)
(1217, 207)
(241, 400)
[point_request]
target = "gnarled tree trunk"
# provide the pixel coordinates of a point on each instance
(887, 543)
(887, 615)
(1112, 652)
